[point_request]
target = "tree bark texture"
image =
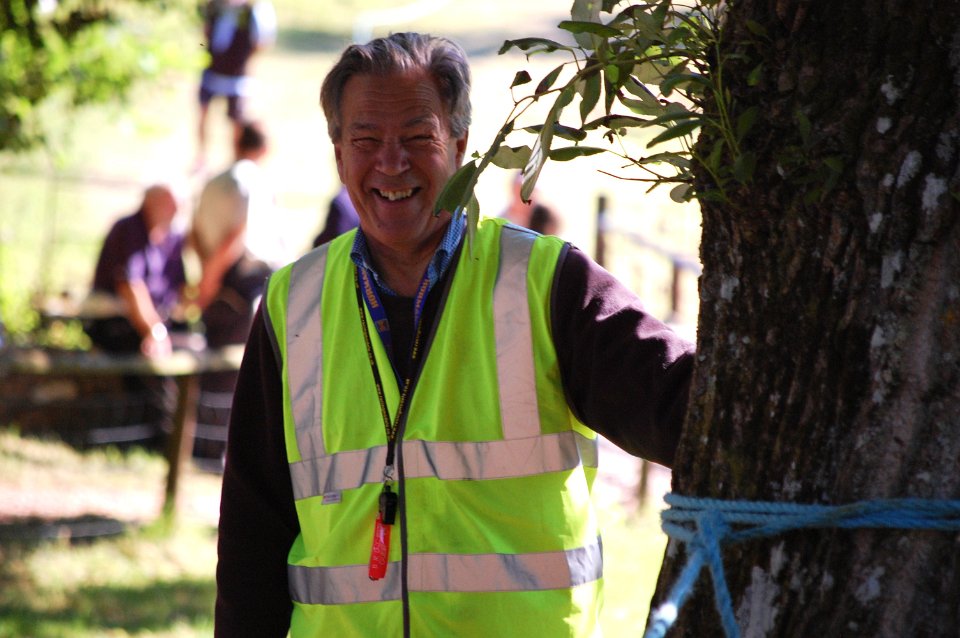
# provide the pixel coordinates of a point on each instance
(829, 331)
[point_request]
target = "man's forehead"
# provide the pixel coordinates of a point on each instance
(408, 99)
(372, 122)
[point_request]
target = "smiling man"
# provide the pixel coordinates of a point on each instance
(413, 440)
(395, 151)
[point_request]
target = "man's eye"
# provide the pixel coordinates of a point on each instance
(420, 140)
(365, 143)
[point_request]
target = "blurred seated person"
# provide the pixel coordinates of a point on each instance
(341, 217)
(138, 278)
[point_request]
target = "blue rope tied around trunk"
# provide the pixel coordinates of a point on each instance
(705, 524)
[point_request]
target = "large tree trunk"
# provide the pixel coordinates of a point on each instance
(829, 333)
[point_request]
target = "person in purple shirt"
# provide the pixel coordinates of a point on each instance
(341, 217)
(141, 268)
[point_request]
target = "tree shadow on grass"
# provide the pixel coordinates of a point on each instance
(99, 610)
(78, 529)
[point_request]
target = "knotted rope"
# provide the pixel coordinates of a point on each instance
(705, 524)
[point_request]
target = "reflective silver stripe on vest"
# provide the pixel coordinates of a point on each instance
(340, 585)
(305, 351)
(511, 316)
(446, 460)
(449, 573)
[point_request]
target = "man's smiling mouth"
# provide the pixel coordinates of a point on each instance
(395, 196)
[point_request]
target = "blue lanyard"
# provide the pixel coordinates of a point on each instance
(379, 314)
(368, 296)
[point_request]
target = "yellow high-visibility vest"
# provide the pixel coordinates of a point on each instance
(496, 534)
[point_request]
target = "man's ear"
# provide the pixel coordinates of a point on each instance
(462, 148)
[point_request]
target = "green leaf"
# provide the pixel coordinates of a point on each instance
(753, 78)
(641, 107)
(565, 98)
(615, 122)
(473, 218)
(745, 121)
(586, 11)
(595, 28)
(541, 148)
(612, 71)
(568, 132)
(568, 153)
(834, 163)
(681, 193)
(538, 156)
(636, 88)
(589, 95)
(716, 153)
(757, 29)
(533, 45)
(682, 80)
(680, 130)
(458, 189)
(521, 78)
(743, 167)
(548, 81)
(508, 157)
(674, 116)
(674, 159)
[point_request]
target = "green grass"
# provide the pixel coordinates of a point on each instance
(158, 581)
(153, 579)
(633, 547)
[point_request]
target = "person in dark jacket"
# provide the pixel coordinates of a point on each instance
(413, 440)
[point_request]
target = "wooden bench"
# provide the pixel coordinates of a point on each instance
(185, 366)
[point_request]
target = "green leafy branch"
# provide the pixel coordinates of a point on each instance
(632, 68)
(77, 53)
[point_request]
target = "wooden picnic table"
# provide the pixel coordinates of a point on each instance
(185, 366)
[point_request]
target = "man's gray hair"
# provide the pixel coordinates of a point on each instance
(443, 59)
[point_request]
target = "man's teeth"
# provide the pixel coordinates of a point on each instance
(395, 195)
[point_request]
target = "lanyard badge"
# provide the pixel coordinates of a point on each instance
(386, 517)
(389, 500)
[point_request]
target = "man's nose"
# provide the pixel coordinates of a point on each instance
(393, 158)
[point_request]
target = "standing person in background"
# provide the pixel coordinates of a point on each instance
(231, 235)
(141, 267)
(231, 276)
(341, 217)
(234, 30)
(234, 216)
(397, 380)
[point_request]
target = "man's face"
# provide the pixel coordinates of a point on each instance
(160, 205)
(394, 155)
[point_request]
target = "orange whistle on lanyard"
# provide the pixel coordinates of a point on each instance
(380, 550)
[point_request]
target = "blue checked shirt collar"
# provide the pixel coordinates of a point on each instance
(360, 254)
